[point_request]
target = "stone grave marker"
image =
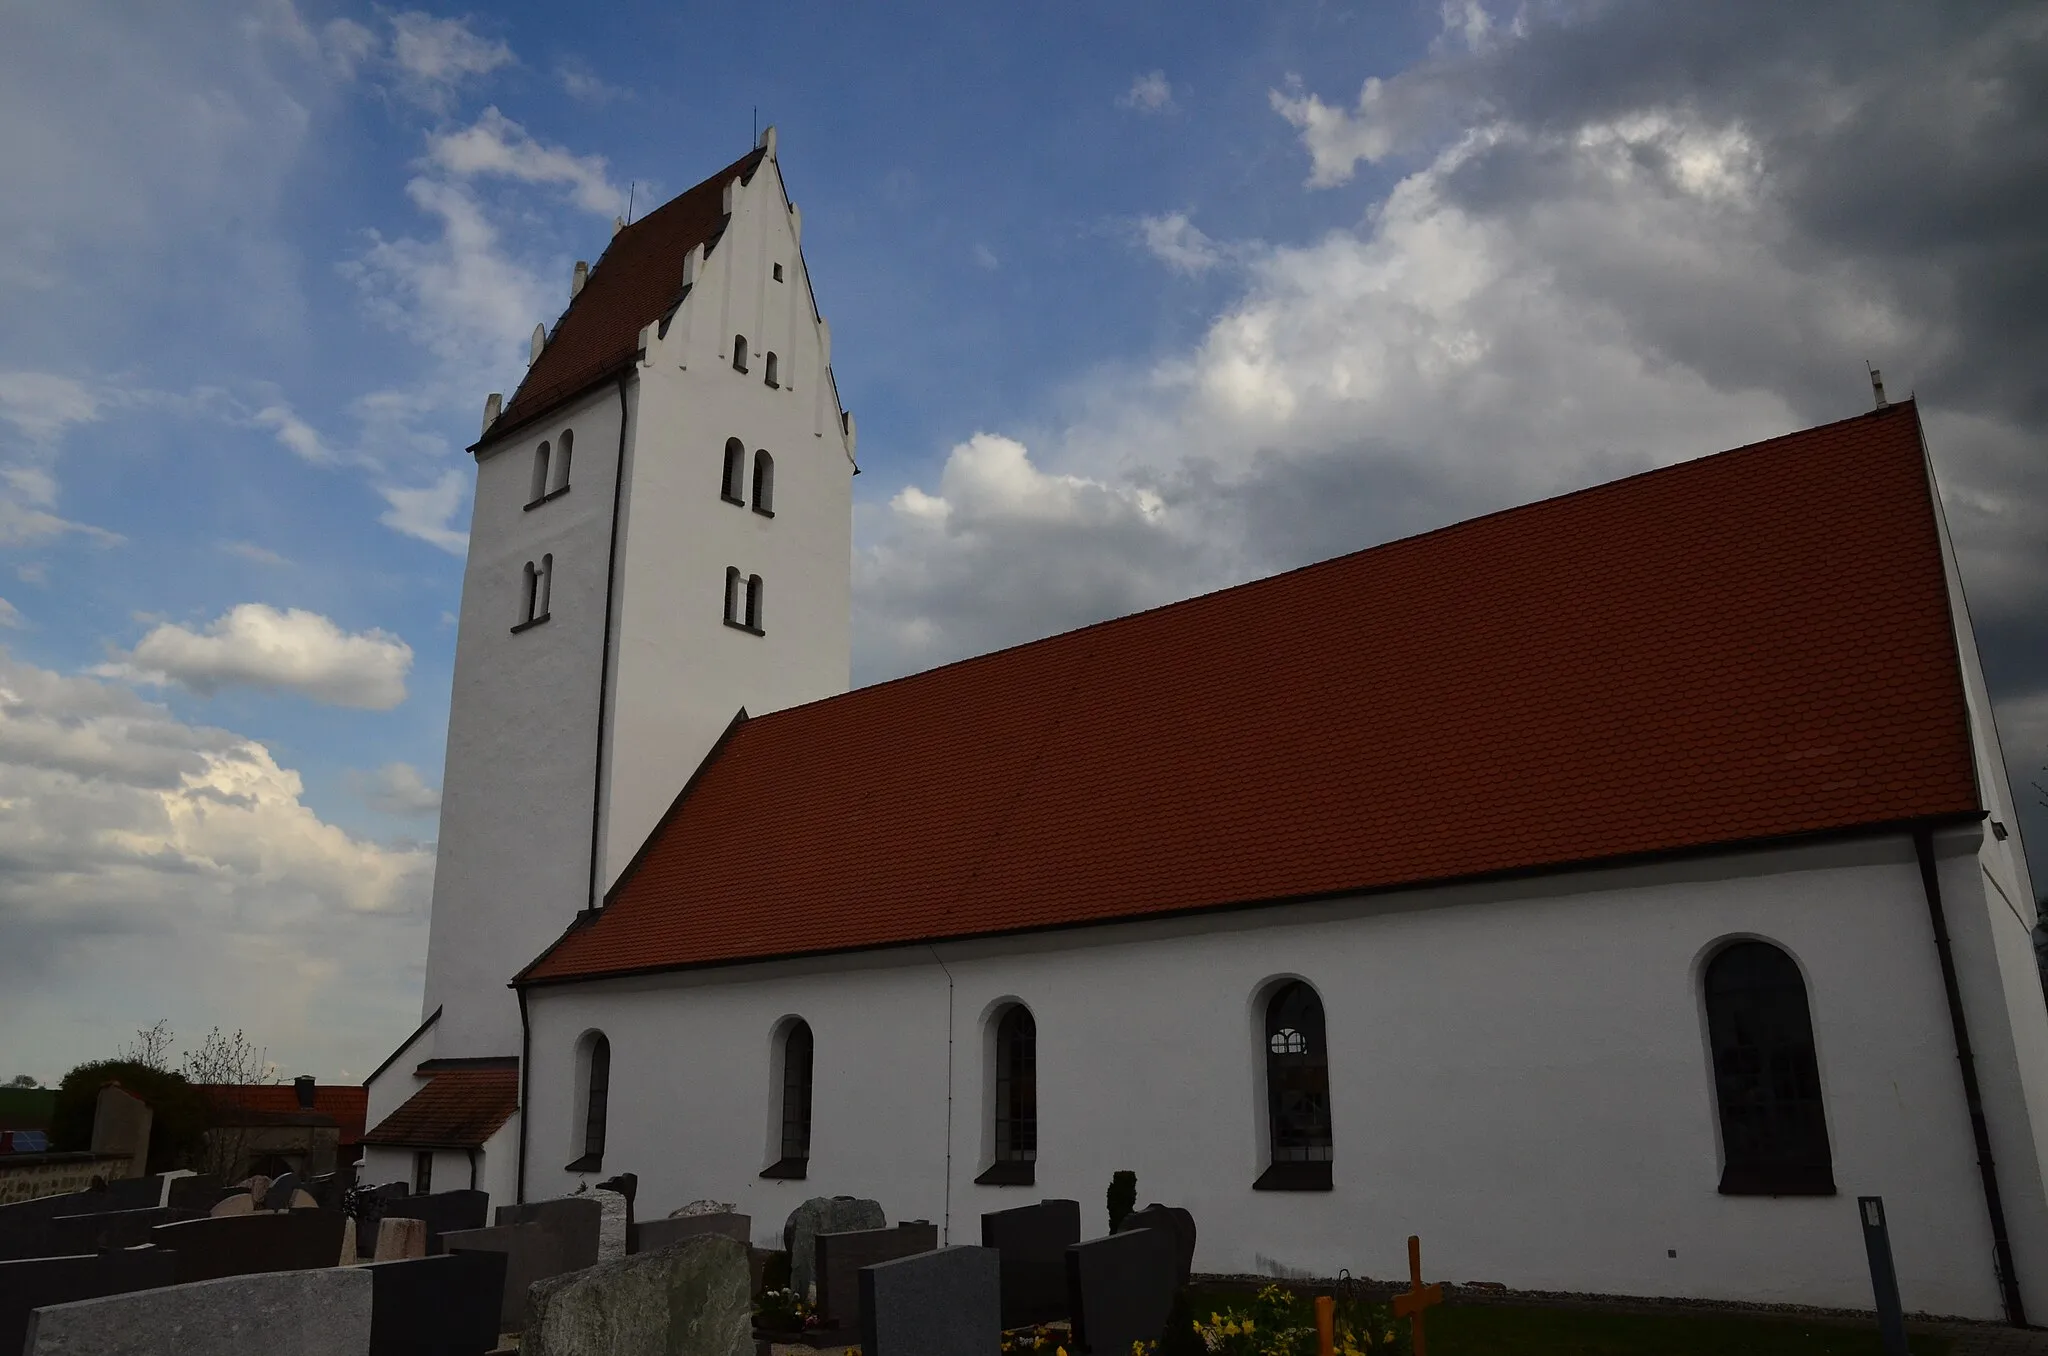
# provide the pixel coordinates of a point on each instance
(193, 1191)
(437, 1306)
(1120, 1289)
(1032, 1241)
(401, 1238)
(211, 1248)
(704, 1207)
(823, 1215)
(28, 1285)
(280, 1313)
(615, 1219)
(278, 1195)
(443, 1212)
(650, 1234)
(574, 1220)
(531, 1252)
(234, 1203)
(25, 1225)
(1176, 1221)
(70, 1235)
(120, 1126)
(841, 1257)
(258, 1187)
(687, 1300)
(368, 1205)
(942, 1303)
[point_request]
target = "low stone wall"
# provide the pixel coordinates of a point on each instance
(23, 1177)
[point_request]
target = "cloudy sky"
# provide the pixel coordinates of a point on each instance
(1130, 301)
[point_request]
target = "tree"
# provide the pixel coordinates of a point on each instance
(23, 1081)
(151, 1047)
(178, 1125)
(231, 1061)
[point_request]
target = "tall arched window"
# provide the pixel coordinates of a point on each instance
(764, 484)
(733, 487)
(755, 600)
(567, 444)
(1015, 1109)
(768, 370)
(739, 353)
(536, 583)
(794, 1105)
(540, 474)
(1297, 1092)
(1774, 1132)
(596, 1080)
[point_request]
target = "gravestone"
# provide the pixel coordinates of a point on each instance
(1175, 1221)
(443, 1212)
(615, 1219)
(1033, 1240)
(1120, 1289)
(71, 1235)
(258, 1187)
(401, 1238)
(705, 1207)
(212, 1248)
(120, 1128)
(29, 1285)
(841, 1257)
(823, 1215)
(942, 1303)
(437, 1306)
(686, 1300)
(368, 1205)
(282, 1313)
(278, 1196)
(531, 1252)
(25, 1225)
(193, 1191)
(573, 1220)
(650, 1234)
(234, 1203)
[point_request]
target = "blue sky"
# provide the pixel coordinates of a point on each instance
(1130, 301)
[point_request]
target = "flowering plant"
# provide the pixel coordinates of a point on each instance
(784, 1311)
(1277, 1323)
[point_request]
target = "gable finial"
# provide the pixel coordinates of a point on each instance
(540, 341)
(578, 278)
(494, 405)
(1877, 387)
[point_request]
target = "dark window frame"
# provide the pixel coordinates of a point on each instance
(764, 483)
(794, 1104)
(739, 353)
(732, 482)
(543, 462)
(1014, 1111)
(537, 583)
(422, 1172)
(1300, 1141)
(1768, 1098)
(597, 1083)
(769, 364)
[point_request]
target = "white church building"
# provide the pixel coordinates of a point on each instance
(1609, 890)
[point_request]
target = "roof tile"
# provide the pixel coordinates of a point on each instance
(459, 1109)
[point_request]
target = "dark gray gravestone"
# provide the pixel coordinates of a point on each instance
(201, 1192)
(1120, 1289)
(1175, 1221)
(942, 1303)
(26, 1286)
(132, 1193)
(823, 1215)
(242, 1245)
(649, 1234)
(1033, 1240)
(368, 1205)
(25, 1225)
(74, 1234)
(531, 1254)
(574, 1220)
(444, 1212)
(437, 1306)
(841, 1257)
(279, 1196)
(279, 1313)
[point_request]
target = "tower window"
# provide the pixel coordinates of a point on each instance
(539, 487)
(768, 369)
(754, 591)
(536, 583)
(733, 487)
(739, 353)
(764, 484)
(568, 442)
(793, 1114)
(1774, 1132)
(1297, 1092)
(778, 273)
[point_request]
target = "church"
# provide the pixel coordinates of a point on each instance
(1609, 890)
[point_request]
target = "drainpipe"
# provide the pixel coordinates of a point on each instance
(1980, 1130)
(525, 1079)
(946, 1218)
(604, 662)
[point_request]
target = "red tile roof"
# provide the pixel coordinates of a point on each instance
(1745, 646)
(345, 1104)
(459, 1109)
(637, 279)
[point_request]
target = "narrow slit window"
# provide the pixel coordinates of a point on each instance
(778, 273)
(1297, 1092)
(1774, 1132)
(544, 586)
(529, 595)
(562, 454)
(733, 487)
(768, 369)
(596, 1079)
(739, 353)
(734, 587)
(540, 473)
(793, 1110)
(754, 603)
(422, 1172)
(764, 484)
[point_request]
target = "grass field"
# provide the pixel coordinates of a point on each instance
(1502, 1330)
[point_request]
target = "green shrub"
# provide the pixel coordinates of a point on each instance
(1123, 1197)
(178, 1110)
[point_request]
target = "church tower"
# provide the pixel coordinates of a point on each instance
(661, 536)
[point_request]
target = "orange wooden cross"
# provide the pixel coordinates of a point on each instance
(1418, 1297)
(1326, 1326)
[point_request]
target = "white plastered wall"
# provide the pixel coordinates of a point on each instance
(1519, 1074)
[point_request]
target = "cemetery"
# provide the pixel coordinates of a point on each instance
(321, 1266)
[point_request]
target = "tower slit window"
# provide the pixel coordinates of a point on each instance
(563, 452)
(733, 484)
(1774, 1133)
(539, 487)
(764, 484)
(536, 583)
(739, 353)
(755, 601)
(768, 370)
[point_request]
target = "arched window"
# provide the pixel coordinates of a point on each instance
(540, 474)
(536, 583)
(1774, 1132)
(754, 602)
(793, 1111)
(768, 368)
(739, 353)
(562, 455)
(595, 1076)
(735, 586)
(543, 586)
(1297, 1092)
(1015, 1109)
(764, 484)
(733, 487)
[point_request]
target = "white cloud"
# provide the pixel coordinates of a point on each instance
(984, 257)
(396, 789)
(158, 869)
(32, 572)
(301, 438)
(1338, 139)
(582, 83)
(434, 57)
(10, 616)
(1149, 93)
(293, 650)
(1179, 244)
(250, 551)
(428, 512)
(496, 145)
(41, 405)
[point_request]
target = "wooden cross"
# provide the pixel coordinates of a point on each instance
(1418, 1297)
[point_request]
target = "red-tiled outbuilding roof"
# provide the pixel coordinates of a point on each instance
(1746, 646)
(637, 279)
(457, 1109)
(345, 1104)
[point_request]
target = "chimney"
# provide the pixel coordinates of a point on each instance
(1877, 388)
(303, 1085)
(577, 279)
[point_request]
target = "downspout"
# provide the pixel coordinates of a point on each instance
(525, 1078)
(1980, 1130)
(946, 1217)
(472, 1167)
(604, 670)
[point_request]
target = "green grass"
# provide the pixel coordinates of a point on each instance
(1502, 1330)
